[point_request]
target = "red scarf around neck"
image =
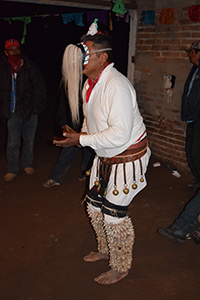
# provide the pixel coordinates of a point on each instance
(92, 84)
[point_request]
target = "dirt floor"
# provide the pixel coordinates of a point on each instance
(45, 233)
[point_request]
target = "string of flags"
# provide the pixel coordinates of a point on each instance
(147, 16)
(167, 15)
(103, 16)
(194, 13)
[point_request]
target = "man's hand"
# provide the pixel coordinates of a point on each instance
(71, 139)
(66, 128)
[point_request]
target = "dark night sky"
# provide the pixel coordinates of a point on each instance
(14, 9)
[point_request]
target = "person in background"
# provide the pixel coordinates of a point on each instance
(186, 225)
(68, 154)
(22, 98)
(190, 113)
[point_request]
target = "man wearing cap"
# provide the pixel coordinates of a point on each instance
(22, 98)
(190, 113)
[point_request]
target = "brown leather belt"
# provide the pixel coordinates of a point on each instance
(139, 144)
(126, 156)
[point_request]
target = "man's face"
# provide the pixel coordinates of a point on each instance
(194, 57)
(13, 51)
(94, 66)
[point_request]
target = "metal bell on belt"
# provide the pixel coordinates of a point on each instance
(134, 186)
(96, 182)
(115, 192)
(125, 190)
(87, 173)
(142, 179)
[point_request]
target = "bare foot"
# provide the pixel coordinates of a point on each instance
(95, 256)
(110, 277)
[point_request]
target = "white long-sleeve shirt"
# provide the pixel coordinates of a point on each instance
(112, 118)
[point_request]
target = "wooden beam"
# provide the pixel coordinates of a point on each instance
(99, 4)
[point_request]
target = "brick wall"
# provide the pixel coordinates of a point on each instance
(159, 52)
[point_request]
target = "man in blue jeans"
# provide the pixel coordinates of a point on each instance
(68, 154)
(186, 225)
(17, 128)
(65, 160)
(22, 98)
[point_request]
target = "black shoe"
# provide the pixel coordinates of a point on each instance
(172, 234)
(195, 235)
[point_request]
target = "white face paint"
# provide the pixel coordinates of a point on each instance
(87, 53)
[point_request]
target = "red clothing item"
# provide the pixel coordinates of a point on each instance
(15, 62)
(92, 84)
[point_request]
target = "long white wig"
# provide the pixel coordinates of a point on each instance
(72, 78)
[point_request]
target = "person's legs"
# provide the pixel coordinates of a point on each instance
(192, 148)
(115, 235)
(64, 162)
(195, 150)
(88, 156)
(14, 126)
(188, 146)
(115, 239)
(118, 228)
(188, 219)
(87, 159)
(185, 223)
(97, 222)
(120, 238)
(28, 135)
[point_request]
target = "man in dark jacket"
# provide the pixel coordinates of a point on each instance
(191, 113)
(22, 98)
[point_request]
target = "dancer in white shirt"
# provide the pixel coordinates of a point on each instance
(114, 128)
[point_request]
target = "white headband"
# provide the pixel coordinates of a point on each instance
(100, 50)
